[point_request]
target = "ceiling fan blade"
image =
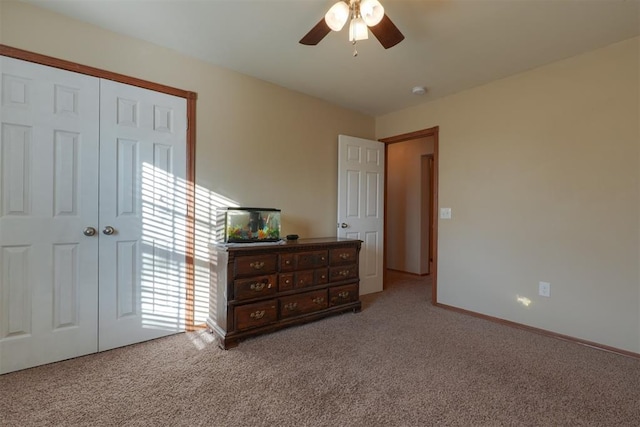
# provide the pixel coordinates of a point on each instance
(316, 34)
(387, 33)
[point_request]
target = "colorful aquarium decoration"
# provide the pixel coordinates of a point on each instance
(244, 225)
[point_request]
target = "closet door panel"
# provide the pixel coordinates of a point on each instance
(48, 195)
(143, 201)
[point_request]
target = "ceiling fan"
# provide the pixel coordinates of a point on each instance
(363, 15)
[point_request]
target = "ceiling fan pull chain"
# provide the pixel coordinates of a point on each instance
(355, 50)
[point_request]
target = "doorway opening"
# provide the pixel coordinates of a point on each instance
(410, 204)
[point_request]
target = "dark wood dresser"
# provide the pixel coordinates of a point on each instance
(257, 289)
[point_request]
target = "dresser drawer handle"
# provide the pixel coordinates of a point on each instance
(291, 306)
(287, 262)
(301, 282)
(344, 256)
(323, 277)
(318, 300)
(257, 315)
(344, 273)
(259, 286)
(287, 281)
(257, 265)
(344, 294)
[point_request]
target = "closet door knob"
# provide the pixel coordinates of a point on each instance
(109, 230)
(89, 231)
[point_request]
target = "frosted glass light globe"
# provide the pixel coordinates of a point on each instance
(371, 11)
(337, 16)
(358, 30)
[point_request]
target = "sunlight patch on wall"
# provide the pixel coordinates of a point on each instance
(164, 237)
(523, 300)
(206, 204)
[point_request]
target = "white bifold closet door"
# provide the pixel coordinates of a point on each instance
(49, 183)
(143, 199)
(92, 212)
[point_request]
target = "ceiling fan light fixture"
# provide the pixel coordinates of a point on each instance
(358, 30)
(337, 16)
(371, 11)
(363, 15)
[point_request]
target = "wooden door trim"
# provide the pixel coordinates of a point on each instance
(92, 71)
(430, 132)
(191, 98)
(431, 161)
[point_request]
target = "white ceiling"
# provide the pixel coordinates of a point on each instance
(450, 45)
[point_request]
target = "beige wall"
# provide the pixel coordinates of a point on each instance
(257, 144)
(541, 172)
(406, 218)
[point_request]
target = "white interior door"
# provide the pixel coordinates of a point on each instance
(143, 200)
(361, 204)
(48, 195)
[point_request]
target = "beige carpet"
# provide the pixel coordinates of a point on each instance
(400, 362)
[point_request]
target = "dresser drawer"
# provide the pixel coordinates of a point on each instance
(285, 282)
(321, 276)
(342, 256)
(304, 279)
(287, 262)
(307, 302)
(343, 294)
(259, 264)
(303, 260)
(337, 274)
(255, 287)
(311, 259)
(253, 315)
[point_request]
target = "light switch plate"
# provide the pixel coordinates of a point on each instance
(445, 213)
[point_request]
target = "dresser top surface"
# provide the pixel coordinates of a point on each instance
(287, 244)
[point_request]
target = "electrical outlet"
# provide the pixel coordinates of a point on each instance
(544, 289)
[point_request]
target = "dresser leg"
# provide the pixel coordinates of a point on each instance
(227, 344)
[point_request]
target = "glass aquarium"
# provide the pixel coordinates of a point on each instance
(244, 225)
